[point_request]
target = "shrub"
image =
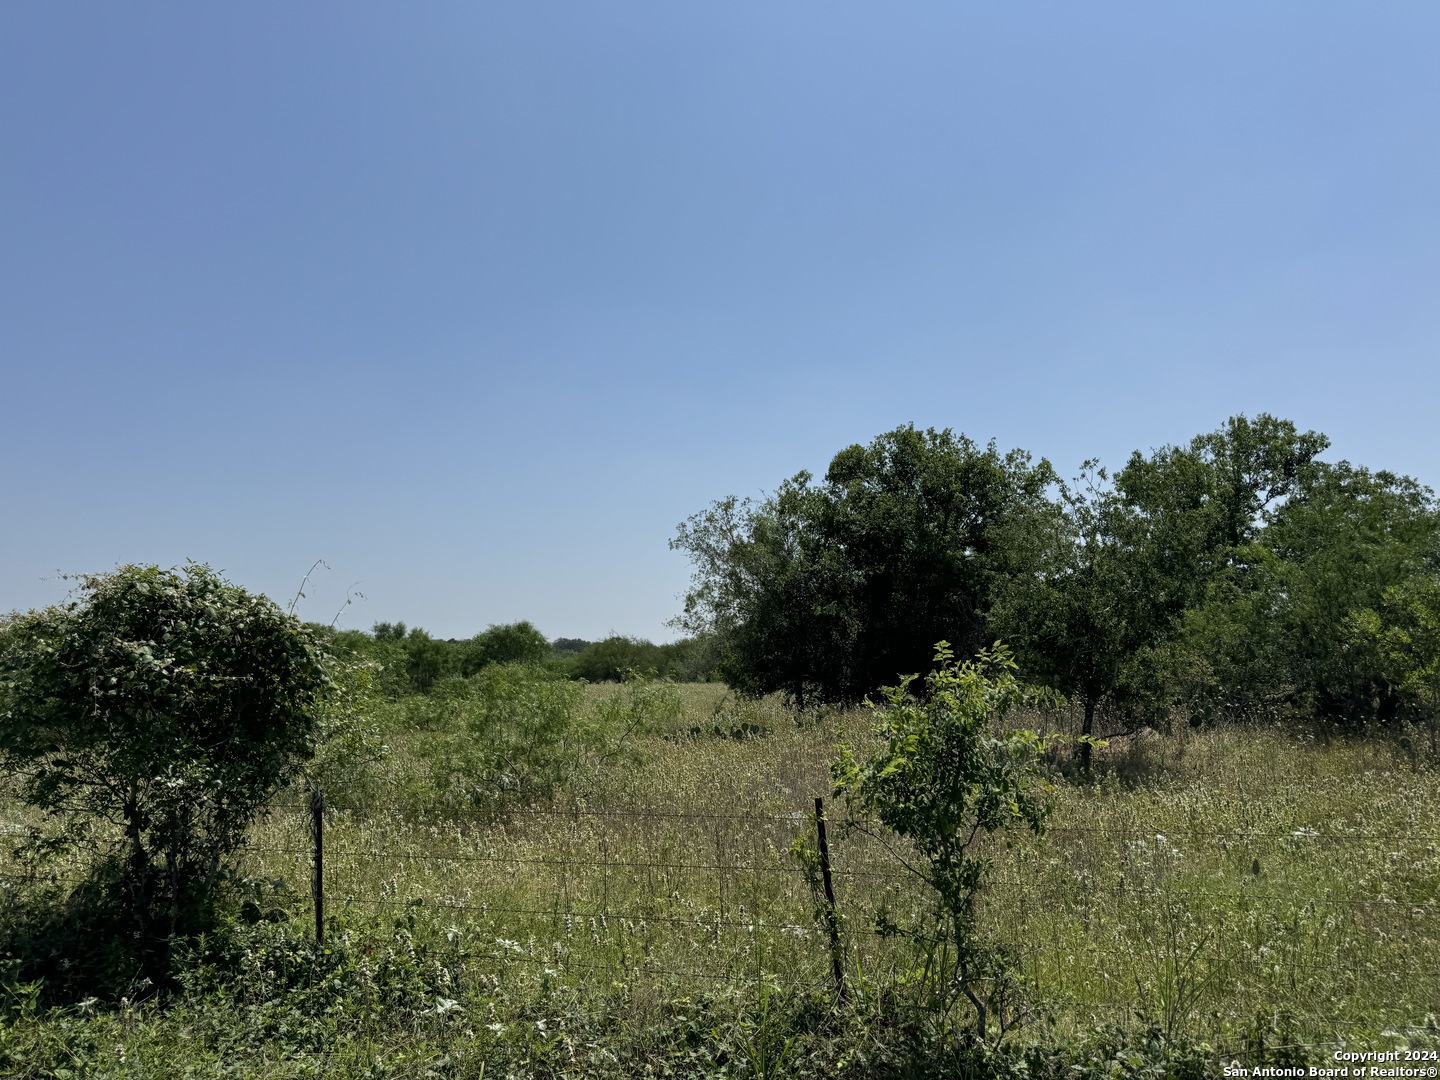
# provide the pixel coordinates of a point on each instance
(522, 735)
(942, 782)
(641, 706)
(151, 719)
(609, 660)
(511, 643)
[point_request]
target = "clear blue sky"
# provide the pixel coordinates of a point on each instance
(477, 301)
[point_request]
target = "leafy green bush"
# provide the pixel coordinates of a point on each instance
(609, 660)
(692, 659)
(151, 719)
(942, 782)
(522, 734)
(511, 643)
(641, 706)
(413, 996)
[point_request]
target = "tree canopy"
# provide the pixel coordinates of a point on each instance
(832, 589)
(1220, 576)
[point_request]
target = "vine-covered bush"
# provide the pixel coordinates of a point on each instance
(150, 718)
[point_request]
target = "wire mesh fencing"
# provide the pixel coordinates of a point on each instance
(1184, 926)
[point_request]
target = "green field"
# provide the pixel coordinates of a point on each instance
(1261, 894)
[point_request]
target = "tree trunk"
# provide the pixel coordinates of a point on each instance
(981, 1012)
(1086, 730)
(139, 888)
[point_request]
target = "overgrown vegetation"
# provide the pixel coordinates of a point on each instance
(411, 661)
(1212, 895)
(551, 859)
(149, 720)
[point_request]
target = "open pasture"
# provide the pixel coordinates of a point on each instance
(1204, 880)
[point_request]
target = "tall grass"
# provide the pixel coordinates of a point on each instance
(1201, 880)
(1245, 888)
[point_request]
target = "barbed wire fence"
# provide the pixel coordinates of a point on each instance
(769, 907)
(614, 893)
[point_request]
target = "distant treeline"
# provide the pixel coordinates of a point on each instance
(1237, 575)
(411, 661)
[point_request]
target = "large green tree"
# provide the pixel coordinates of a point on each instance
(1149, 549)
(1402, 642)
(836, 588)
(1126, 560)
(1200, 504)
(1087, 621)
(770, 590)
(1272, 632)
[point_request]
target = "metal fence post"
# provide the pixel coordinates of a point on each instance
(832, 921)
(317, 882)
